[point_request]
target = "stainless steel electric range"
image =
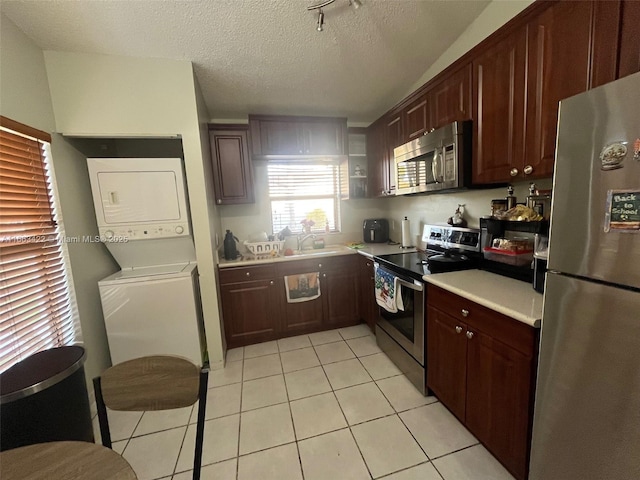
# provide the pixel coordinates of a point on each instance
(402, 334)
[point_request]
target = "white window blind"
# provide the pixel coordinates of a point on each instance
(304, 191)
(35, 307)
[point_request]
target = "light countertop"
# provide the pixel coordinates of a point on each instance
(510, 297)
(368, 250)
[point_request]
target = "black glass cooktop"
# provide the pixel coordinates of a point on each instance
(415, 264)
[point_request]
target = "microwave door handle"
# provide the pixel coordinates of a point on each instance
(434, 166)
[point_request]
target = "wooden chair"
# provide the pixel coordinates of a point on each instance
(153, 383)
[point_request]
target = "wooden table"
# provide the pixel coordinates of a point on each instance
(64, 461)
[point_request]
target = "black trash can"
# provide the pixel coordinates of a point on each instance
(44, 398)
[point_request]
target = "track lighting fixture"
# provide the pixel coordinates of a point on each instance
(320, 20)
(354, 3)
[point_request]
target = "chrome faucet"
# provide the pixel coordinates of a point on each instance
(304, 238)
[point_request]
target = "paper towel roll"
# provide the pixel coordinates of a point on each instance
(406, 233)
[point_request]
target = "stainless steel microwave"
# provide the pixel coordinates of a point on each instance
(437, 160)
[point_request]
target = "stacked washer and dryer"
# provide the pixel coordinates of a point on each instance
(152, 305)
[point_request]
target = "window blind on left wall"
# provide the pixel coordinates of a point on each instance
(35, 307)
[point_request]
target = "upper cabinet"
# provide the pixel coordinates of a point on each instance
(451, 98)
(498, 111)
(510, 85)
(379, 169)
(561, 61)
(294, 136)
(629, 47)
(232, 169)
(416, 118)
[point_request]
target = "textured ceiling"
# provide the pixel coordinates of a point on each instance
(265, 56)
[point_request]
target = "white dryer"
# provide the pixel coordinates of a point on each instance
(151, 311)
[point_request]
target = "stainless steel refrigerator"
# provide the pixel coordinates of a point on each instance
(587, 408)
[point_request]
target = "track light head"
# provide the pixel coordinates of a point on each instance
(320, 20)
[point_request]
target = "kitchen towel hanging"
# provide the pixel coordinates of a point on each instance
(406, 233)
(302, 287)
(388, 293)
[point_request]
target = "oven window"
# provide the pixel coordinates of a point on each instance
(403, 321)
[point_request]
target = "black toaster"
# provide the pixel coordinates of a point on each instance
(376, 230)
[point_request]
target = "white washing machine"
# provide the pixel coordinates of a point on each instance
(153, 310)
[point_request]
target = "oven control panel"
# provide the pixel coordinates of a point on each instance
(452, 237)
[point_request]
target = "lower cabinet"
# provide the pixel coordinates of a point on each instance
(255, 307)
(481, 365)
(250, 304)
(369, 310)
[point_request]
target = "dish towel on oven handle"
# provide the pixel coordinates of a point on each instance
(388, 290)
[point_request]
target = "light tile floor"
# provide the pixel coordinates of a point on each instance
(325, 406)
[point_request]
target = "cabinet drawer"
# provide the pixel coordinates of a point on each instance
(301, 266)
(246, 274)
(516, 334)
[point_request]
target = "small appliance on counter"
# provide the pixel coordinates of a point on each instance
(376, 230)
(508, 247)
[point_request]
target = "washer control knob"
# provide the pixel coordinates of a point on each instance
(179, 229)
(108, 234)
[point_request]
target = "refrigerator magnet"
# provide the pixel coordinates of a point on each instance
(636, 149)
(612, 155)
(623, 211)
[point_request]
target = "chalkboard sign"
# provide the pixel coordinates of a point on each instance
(623, 210)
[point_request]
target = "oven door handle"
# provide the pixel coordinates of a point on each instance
(416, 285)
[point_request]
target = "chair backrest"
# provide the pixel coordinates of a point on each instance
(157, 382)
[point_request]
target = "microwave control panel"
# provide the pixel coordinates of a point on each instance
(449, 163)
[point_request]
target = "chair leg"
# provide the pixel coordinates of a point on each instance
(202, 404)
(102, 413)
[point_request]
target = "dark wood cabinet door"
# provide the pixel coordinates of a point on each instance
(447, 360)
(451, 98)
(629, 48)
(302, 317)
(417, 118)
(559, 67)
(233, 172)
(394, 137)
(368, 307)
(498, 109)
(279, 138)
(339, 285)
(250, 312)
(605, 39)
(378, 156)
(324, 138)
(499, 382)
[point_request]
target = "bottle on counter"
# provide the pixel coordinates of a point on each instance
(230, 250)
(511, 199)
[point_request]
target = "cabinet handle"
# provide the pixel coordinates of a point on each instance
(219, 201)
(465, 313)
(528, 170)
(271, 282)
(469, 335)
(319, 265)
(324, 275)
(368, 264)
(248, 274)
(514, 172)
(458, 329)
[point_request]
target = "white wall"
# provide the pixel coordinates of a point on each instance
(497, 13)
(24, 97)
(112, 96)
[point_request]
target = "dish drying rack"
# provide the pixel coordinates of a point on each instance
(263, 249)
